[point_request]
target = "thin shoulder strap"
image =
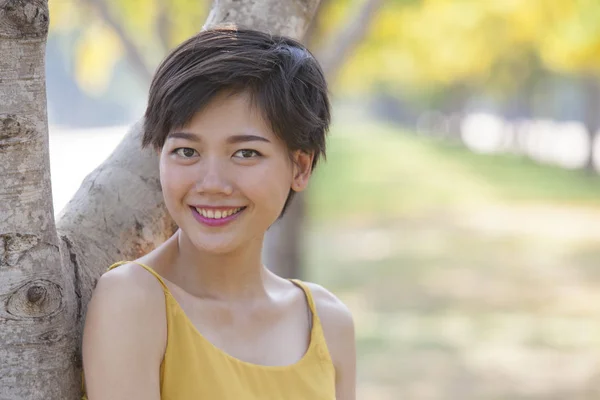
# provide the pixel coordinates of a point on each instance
(307, 292)
(316, 332)
(314, 320)
(147, 268)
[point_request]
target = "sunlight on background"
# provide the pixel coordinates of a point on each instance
(74, 153)
(458, 213)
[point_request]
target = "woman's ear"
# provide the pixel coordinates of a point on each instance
(302, 163)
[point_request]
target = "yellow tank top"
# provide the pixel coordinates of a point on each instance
(193, 368)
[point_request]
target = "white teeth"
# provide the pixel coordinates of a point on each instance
(217, 214)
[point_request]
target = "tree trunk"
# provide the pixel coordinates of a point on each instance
(591, 87)
(38, 305)
(47, 277)
(284, 242)
(282, 251)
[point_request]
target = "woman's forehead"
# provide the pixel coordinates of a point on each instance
(230, 114)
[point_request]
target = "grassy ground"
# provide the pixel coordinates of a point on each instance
(469, 277)
(379, 171)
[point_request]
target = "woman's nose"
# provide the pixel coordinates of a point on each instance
(213, 178)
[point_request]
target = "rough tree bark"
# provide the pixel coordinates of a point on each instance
(47, 275)
(37, 301)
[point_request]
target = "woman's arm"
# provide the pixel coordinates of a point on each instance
(124, 337)
(338, 327)
(343, 353)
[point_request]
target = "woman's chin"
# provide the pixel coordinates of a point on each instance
(216, 247)
(221, 243)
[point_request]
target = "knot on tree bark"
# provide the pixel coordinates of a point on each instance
(35, 299)
(36, 293)
(14, 129)
(24, 18)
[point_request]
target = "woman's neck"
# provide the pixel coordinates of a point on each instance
(236, 276)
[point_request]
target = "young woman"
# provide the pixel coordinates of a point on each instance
(239, 119)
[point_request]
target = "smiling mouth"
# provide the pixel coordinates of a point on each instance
(217, 214)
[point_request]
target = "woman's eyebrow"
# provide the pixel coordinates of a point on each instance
(246, 138)
(231, 139)
(184, 135)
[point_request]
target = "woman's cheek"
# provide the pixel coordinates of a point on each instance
(173, 181)
(270, 185)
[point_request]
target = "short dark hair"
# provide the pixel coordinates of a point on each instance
(282, 77)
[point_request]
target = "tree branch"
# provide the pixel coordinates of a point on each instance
(289, 18)
(118, 212)
(311, 33)
(132, 51)
(342, 44)
(163, 27)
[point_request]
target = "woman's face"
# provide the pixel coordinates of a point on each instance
(225, 175)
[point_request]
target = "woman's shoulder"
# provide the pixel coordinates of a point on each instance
(131, 285)
(335, 316)
(329, 306)
(131, 295)
(125, 306)
(338, 329)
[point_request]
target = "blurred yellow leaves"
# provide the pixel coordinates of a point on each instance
(97, 51)
(137, 17)
(410, 43)
(187, 18)
(573, 45)
(105, 29)
(441, 42)
(63, 15)
(429, 42)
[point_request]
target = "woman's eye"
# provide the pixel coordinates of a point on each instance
(246, 153)
(185, 152)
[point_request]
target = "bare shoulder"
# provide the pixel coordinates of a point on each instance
(127, 303)
(130, 294)
(134, 278)
(334, 314)
(337, 322)
(130, 289)
(338, 328)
